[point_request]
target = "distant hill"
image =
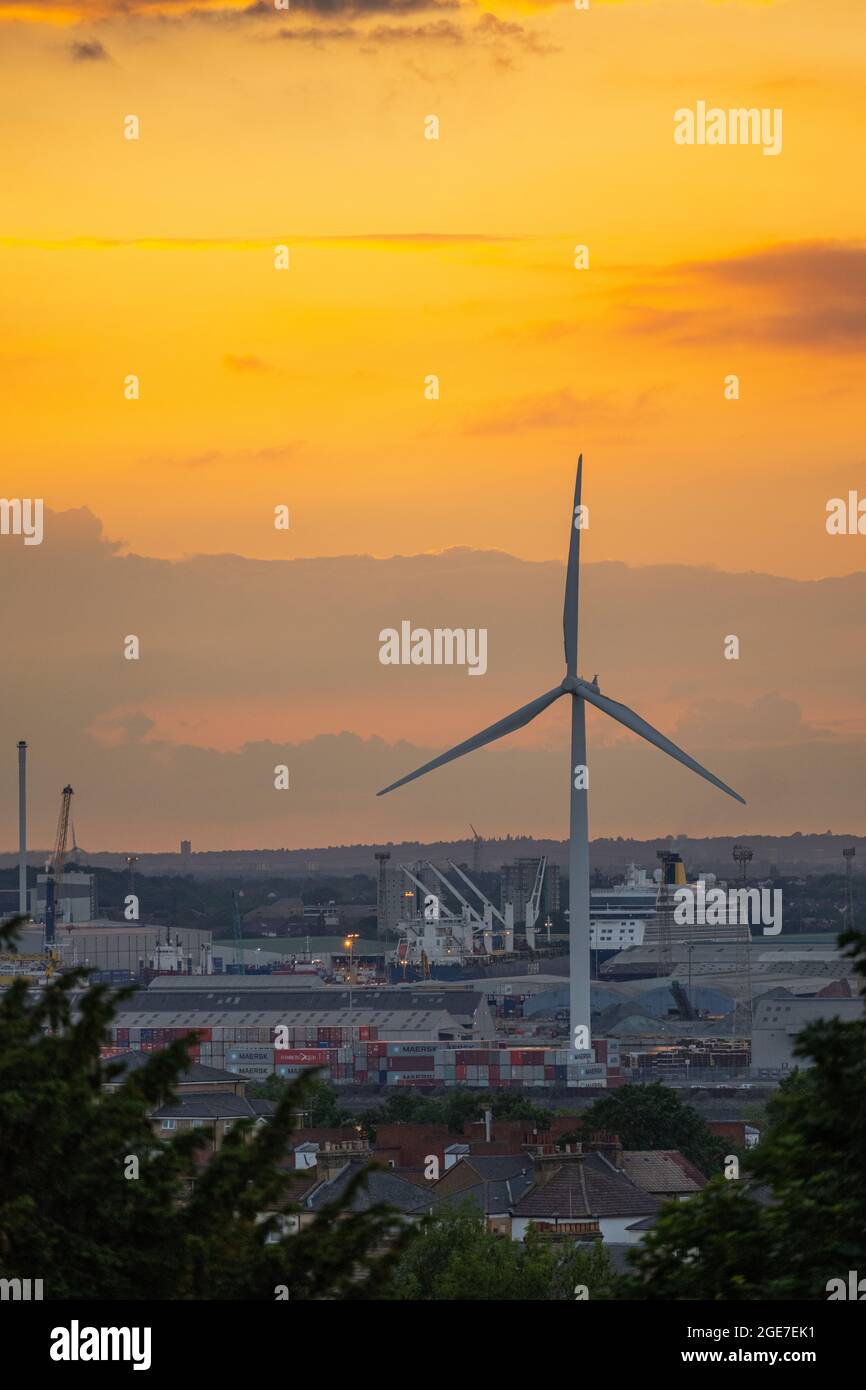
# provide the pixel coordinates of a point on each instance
(790, 854)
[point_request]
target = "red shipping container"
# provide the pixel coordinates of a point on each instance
(377, 1049)
(361, 1077)
(363, 1034)
(412, 1062)
(550, 1073)
(302, 1056)
(526, 1057)
(460, 1072)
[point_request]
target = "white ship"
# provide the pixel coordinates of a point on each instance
(618, 915)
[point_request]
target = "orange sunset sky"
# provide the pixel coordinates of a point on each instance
(305, 387)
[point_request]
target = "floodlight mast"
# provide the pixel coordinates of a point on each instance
(582, 693)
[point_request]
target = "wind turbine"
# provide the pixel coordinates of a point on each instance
(582, 692)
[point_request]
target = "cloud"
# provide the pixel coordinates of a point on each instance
(488, 31)
(248, 363)
(89, 51)
(272, 453)
(801, 295)
(359, 8)
(249, 663)
(431, 241)
(317, 34)
(769, 720)
(554, 410)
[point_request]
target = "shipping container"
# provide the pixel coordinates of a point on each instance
(311, 1057)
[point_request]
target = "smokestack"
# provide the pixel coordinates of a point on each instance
(22, 828)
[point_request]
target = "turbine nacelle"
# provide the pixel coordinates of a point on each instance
(576, 685)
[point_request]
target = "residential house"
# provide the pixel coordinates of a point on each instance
(666, 1173)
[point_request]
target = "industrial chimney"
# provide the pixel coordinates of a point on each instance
(22, 828)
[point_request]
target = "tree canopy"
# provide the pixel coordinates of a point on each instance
(796, 1218)
(76, 1212)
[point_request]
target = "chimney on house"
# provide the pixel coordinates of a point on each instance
(333, 1157)
(609, 1146)
(547, 1164)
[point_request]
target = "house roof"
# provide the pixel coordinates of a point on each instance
(493, 1198)
(379, 1186)
(262, 1107)
(215, 1105)
(585, 1185)
(646, 1223)
(196, 1072)
(662, 1170)
(499, 1167)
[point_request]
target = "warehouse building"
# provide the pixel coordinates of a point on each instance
(777, 1021)
(773, 961)
(108, 946)
(392, 1013)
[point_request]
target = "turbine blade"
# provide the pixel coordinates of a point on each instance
(633, 721)
(521, 716)
(572, 582)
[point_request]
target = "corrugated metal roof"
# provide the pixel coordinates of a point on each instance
(290, 1018)
(247, 998)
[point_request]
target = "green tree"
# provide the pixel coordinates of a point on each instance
(322, 1105)
(73, 1214)
(800, 1220)
(654, 1117)
(456, 1259)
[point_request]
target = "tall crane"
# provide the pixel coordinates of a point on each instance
(57, 859)
(54, 867)
(533, 907)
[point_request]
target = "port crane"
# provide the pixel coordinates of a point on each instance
(55, 866)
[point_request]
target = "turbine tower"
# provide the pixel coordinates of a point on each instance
(581, 692)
